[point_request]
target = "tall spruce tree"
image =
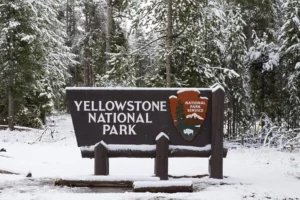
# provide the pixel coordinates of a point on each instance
(21, 53)
(290, 61)
(34, 57)
(237, 92)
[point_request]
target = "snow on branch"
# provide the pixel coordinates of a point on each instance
(231, 72)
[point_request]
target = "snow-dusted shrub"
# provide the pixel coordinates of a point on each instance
(279, 135)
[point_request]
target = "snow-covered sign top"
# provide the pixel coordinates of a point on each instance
(137, 116)
(137, 88)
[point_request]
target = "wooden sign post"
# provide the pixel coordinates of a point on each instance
(149, 122)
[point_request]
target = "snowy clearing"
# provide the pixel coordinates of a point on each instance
(250, 173)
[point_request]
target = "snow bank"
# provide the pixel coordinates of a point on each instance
(253, 173)
(60, 132)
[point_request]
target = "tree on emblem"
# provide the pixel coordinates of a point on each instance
(180, 112)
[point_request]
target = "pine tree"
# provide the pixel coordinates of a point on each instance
(21, 52)
(259, 17)
(196, 49)
(58, 57)
(290, 58)
(263, 59)
(35, 61)
(102, 41)
(239, 105)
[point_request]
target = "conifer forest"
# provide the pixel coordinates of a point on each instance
(250, 47)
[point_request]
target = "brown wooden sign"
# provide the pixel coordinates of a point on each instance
(136, 116)
(149, 122)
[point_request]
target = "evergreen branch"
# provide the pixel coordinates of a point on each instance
(136, 22)
(157, 39)
(226, 70)
(164, 36)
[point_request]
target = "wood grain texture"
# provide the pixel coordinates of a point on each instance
(161, 165)
(85, 183)
(216, 159)
(101, 160)
(169, 189)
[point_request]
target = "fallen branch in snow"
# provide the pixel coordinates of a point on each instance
(39, 138)
(3, 153)
(102, 181)
(29, 174)
(5, 156)
(8, 172)
(62, 138)
(93, 183)
(51, 133)
(19, 128)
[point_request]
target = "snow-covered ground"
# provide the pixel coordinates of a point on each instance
(250, 173)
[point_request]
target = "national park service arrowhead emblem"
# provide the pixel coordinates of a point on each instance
(188, 111)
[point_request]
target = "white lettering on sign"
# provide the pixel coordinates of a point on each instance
(130, 105)
(120, 118)
(163, 106)
(110, 106)
(195, 106)
(119, 130)
(121, 106)
(93, 106)
(87, 105)
(78, 105)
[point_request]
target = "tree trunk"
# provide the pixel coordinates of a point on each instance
(262, 93)
(67, 16)
(169, 44)
(71, 33)
(108, 32)
(91, 70)
(11, 108)
(248, 31)
(234, 118)
(86, 46)
(228, 124)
